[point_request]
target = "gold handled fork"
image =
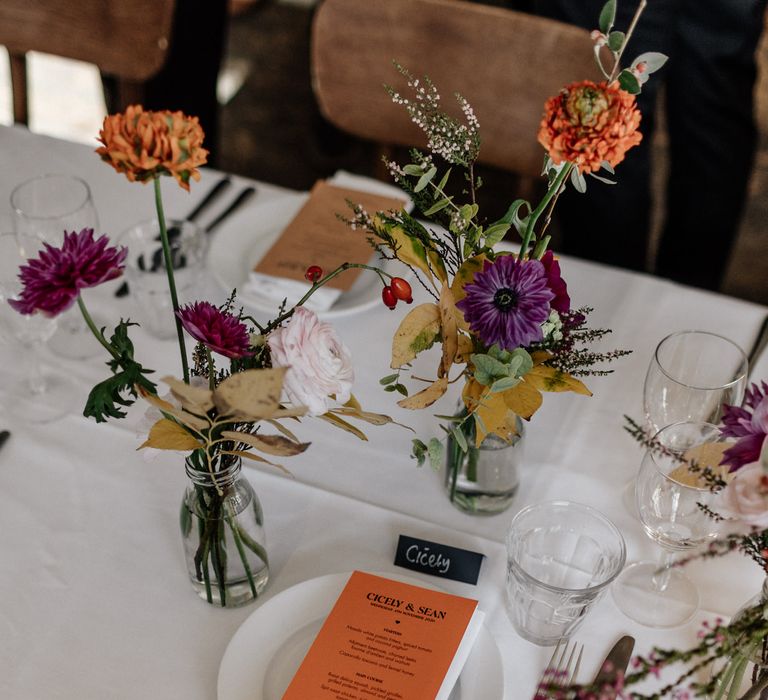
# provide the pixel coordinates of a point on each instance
(562, 669)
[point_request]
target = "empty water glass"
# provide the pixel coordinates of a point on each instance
(146, 273)
(561, 557)
(690, 376)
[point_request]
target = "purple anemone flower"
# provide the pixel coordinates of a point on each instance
(52, 282)
(561, 302)
(507, 302)
(219, 331)
(750, 427)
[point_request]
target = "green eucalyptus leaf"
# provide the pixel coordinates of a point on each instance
(419, 452)
(629, 82)
(503, 384)
(413, 169)
(435, 453)
(616, 41)
(653, 61)
(388, 379)
(605, 165)
(607, 16)
(425, 179)
(578, 181)
(602, 179)
(438, 206)
(495, 233)
(443, 182)
(460, 438)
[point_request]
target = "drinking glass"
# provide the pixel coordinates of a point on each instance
(669, 495)
(43, 209)
(146, 274)
(691, 375)
(561, 556)
(37, 394)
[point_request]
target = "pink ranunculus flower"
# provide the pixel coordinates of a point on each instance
(319, 363)
(746, 496)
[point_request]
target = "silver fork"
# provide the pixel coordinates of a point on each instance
(562, 669)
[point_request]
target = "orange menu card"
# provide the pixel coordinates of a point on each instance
(390, 640)
(316, 236)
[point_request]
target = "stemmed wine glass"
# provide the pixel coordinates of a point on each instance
(43, 209)
(669, 497)
(38, 394)
(691, 375)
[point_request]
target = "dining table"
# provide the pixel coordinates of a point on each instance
(95, 600)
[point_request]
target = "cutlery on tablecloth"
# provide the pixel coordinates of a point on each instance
(616, 661)
(562, 669)
(174, 231)
(4, 435)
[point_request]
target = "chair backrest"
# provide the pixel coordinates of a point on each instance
(505, 63)
(127, 39)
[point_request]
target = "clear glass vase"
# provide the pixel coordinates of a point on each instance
(222, 531)
(483, 480)
(744, 674)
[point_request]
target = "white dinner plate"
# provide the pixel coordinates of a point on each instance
(235, 250)
(266, 651)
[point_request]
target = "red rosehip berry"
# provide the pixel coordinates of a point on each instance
(388, 297)
(314, 273)
(401, 289)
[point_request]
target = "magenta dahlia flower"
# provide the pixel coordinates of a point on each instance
(52, 282)
(750, 427)
(561, 302)
(217, 330)
(507, 302)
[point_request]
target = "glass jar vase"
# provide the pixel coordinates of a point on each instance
(222, 529)
(483, 480)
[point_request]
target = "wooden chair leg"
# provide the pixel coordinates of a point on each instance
(19, 88)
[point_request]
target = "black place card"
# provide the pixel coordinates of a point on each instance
(438, 559)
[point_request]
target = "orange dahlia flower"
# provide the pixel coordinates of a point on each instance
(146, 144)
(588, 123)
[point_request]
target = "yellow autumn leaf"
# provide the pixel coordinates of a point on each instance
(251, 395)
(523, 399)
(408, 249)
(465, 274)
(494, 415)
(438, 267)
(416, 332)
(464, 350)
(448, 330)
(271, 444)
(256, 458)
(546, 378)
(168, 435)
(344, 425)
(426, 397)
(194, 399)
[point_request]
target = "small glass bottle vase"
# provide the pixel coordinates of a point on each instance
(483, 480)
(745, 672)
(223, 535)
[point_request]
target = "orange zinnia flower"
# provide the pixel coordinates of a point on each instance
(588, 123)
(146, 144)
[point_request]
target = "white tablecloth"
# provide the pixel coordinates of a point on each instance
(95, 599)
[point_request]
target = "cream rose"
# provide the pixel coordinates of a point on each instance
(319, 363)
(746, 496)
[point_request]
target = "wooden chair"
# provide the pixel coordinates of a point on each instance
(128, 40)
(505, 63)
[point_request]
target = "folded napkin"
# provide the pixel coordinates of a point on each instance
(316, 236)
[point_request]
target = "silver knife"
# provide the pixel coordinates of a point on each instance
(616, 661)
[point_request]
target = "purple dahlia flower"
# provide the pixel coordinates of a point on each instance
(750, 427)
(221, 332)
(52, 282)
(507, 302)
